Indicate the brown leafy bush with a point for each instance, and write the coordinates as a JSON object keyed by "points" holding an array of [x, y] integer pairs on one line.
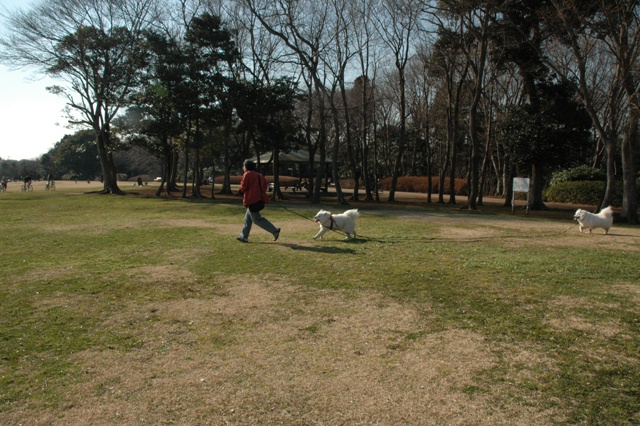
{"points": [[421, 184]]}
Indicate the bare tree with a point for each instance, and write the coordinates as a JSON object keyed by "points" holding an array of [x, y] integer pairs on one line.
{"points": [[364, 38], [450, 65], [593, 32], [94, 46], [302, 26], [623, 22], [397, 22], [582, 59], [475, 22]]}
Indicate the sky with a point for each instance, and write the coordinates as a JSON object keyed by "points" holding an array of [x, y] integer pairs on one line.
{"points": [[31, 119]]}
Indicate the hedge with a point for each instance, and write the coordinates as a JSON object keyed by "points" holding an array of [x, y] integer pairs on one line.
{"points": [[421, 184], [582, 192]]}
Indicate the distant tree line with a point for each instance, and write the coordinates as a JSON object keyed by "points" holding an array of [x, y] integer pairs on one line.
{"points": [[482, 90]]}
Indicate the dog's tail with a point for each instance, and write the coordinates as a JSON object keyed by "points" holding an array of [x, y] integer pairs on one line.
{"points": [[353, 213], [606, 212]]}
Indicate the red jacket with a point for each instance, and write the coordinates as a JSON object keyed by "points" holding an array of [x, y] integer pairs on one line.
{"points": [[253, 187]]}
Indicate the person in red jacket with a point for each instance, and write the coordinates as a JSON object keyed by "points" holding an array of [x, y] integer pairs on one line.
{"points": [[253, 187]]}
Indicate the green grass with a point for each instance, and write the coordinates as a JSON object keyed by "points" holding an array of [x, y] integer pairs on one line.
{"points": [[88, 247]]}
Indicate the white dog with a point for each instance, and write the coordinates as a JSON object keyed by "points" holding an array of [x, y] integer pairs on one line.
{"points": [[588, 220], [345, 222]]}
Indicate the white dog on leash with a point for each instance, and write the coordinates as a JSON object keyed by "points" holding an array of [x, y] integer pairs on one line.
{"points": [[588, 220], [345, 222]]}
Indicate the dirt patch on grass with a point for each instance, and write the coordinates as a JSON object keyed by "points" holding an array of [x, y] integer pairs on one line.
{"points": [[267, 351], [567, 317]]}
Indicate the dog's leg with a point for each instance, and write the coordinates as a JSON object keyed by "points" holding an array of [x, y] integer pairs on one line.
{"points": [[320, 233], [350, 236]]}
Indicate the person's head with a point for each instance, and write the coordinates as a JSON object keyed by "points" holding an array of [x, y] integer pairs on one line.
{"points": [[249, 165]]}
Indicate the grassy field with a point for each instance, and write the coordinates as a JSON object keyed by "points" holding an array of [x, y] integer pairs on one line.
{"points": [[137, 310]]}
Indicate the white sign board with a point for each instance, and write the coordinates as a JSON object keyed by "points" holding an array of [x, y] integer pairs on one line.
{"points": [[520, 185]]}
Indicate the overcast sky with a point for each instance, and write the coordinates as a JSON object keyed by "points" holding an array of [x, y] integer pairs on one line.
{"points": [[31, 119]]}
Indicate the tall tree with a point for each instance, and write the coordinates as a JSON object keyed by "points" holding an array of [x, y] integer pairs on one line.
{"points": [[210, 56], [266, 115], [475, 20], [398, 21], [590, 70], [548, 133], [302, 27], [153, 116], [449, 65], [364, 35], [95, 46], [622, 20]]}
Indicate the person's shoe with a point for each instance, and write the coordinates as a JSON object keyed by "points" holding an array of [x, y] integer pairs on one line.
{"points": [[242, 239], [276, 234]]}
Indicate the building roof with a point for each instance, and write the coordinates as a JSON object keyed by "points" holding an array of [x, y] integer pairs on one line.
{"points": [[294, 156]]}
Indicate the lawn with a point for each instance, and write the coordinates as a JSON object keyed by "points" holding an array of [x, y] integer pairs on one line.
{"points": [[137, 310]]}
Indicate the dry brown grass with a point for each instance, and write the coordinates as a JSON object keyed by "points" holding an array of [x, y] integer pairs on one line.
{"points": [[269, 352]]}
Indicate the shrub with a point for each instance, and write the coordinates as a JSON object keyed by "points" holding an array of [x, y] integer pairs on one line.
{"points": [[421, 184], [580, 173], [585, 192], [582, 192]]}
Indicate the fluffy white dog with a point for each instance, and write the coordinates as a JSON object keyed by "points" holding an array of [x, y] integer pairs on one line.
{"points": [[345, 222], [588, 220]]}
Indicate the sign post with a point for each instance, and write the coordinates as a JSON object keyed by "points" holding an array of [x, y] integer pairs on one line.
{"points": [[519, 185]]}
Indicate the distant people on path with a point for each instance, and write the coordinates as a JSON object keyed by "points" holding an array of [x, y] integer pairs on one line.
{"points": [[253, 187]]}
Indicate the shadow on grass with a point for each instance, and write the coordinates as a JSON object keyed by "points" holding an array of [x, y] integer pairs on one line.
{"points": [[331, 250]]}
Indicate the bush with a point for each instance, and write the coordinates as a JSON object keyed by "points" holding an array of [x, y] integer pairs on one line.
{"points": [[580, 173], [421, 184], [585, 192], [582, 192]]}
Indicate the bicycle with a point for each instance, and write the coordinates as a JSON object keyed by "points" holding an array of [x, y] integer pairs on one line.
{"points": [[50, 186], [26, 187]]}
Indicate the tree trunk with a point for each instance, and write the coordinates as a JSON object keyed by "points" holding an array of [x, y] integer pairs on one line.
{"points": [[403, 135], [166, 167], [322, 146], [610, 149], [475, 155], [109, 175], [629, 140], [508, 174], [175, 160], [185, 171], [536, 201]]}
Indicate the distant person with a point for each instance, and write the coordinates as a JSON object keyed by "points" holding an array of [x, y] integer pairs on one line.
{"points": [[49, 179], [139, 181], [27, 183], [253, 187]]}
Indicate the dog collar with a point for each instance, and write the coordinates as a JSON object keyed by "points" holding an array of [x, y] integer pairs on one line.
{"points": [[331, 222]]}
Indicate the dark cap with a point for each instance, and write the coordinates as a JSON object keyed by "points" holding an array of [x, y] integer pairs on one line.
{"points": [[249, 165]]}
